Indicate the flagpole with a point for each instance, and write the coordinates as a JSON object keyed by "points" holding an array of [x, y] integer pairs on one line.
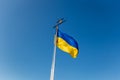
{"points": [[54, 57], [59, 22]]}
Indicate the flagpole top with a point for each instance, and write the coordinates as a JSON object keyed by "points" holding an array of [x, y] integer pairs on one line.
{"points": [[59, 22]]}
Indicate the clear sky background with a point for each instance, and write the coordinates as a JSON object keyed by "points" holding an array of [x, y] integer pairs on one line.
{"points": [[26, 39]]}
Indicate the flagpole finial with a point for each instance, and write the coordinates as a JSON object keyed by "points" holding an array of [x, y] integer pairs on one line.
{"points": [[59, 22]]}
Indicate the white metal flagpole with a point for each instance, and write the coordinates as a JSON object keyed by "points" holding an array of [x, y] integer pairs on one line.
{"points": [[54, 54], [54, 57]]}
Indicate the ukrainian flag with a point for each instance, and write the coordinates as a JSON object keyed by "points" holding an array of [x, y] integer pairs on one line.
{"points": [[67, 44]]}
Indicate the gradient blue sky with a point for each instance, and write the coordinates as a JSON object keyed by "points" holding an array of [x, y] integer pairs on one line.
{"points": [[26, 39]]}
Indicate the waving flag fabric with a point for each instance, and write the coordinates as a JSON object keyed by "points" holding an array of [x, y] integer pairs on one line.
{"points": [[67, 44]]}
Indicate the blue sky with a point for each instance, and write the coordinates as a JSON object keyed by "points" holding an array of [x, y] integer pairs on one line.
{"points": [[26, 39]]}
